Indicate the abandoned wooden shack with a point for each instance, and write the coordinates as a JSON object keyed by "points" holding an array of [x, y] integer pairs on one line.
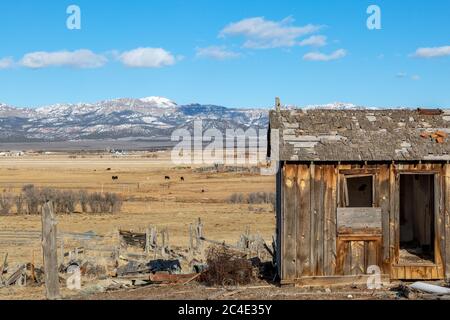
{"points": [[361, 188]]}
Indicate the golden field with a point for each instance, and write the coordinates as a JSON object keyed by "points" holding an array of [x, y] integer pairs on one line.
{"points": [[149, 199]]}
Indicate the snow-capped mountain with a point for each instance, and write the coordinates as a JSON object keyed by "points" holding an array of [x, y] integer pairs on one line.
{"points": [[150, 117], [335, 106]]}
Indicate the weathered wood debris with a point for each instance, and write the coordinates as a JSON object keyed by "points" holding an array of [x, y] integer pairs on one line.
{"points": [[126, 258]]}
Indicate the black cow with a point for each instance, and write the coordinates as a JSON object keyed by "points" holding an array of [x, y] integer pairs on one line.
{"points": [[167, 178], [182, 179], [115, 178]]}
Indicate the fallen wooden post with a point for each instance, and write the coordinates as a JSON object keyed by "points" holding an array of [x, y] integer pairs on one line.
{"points": [[430, 288], [49, 249], [16, 275], [2, 268]]}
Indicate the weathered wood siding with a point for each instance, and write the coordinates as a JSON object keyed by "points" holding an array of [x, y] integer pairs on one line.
{"points": [[309, 243], [447, 220]]}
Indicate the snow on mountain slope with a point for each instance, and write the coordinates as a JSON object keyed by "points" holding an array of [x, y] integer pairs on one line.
{"points": [[119, 118], [159, 102]]}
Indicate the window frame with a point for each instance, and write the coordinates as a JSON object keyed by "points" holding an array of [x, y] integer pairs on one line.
{"points": [[345, 200]]}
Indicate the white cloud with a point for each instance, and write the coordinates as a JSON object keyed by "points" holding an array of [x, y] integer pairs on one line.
{"points": [[217, 52], [6, 63], [404, 75], [147, 58], [263, 34], [314, 41], [317, 56], [432, 52], [77, 59]]}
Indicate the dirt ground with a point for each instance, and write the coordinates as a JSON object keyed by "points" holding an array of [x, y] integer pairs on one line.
{"points": [[255, 292], [196, 291], [150, 199]]}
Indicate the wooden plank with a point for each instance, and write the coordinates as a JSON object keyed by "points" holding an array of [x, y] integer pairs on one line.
{"points": [[383, 186], [313, 215], [446, 252], [319, 220], [330, 228], [337, 280], [342, 248], [348, 258], [279, 219], [303, 221], [397, 217], [392, 238], [416, 272], [359, 219], [359, 237], [372, 254], [439, 218], [360, 172], [357, 248], [289, 224], [49, 249], [408, 273]]}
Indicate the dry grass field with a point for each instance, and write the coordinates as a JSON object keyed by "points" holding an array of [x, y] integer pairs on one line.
{"points": [[149, 199]]}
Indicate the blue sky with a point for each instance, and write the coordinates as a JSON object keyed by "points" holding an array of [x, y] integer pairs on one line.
{"points": [[227, 52]]}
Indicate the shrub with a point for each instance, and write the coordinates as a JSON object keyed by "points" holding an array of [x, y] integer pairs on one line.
{"points": [[227, 267], [83, 198], [95, 202], [253, 198], [261, 197], [65, 201], [114, 201], [236, 198], [31, 196], [69, 201], [104, 203], [6, 203], [20, 202]]}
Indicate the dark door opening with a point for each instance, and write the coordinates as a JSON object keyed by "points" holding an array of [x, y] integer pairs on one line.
{"points": [[416, 218]]}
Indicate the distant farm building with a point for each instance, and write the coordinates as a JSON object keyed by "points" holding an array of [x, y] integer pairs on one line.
{"points": [[362, 188], [12, 154]]}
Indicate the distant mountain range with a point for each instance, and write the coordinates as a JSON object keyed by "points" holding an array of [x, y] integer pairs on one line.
{"points": [[152, 117]]}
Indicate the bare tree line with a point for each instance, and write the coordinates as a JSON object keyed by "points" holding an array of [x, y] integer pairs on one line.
{"points": [[253, 198], [31, 199]]}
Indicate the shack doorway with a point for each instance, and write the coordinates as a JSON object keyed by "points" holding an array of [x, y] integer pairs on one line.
{"points": [[417, 219]]}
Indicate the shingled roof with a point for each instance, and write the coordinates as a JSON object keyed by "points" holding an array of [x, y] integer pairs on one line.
{"points": [[362, 135]]}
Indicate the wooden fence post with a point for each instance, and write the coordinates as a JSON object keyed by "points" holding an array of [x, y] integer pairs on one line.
{"points": [[163, 244], [49, 249], [147, 240], [191, 241], [199, 235], [62, 253]]}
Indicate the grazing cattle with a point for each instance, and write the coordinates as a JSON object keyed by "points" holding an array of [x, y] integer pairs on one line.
{"points": [[109, 169], [203, 190], [167, 178], [115, 178], [182, 179]]}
